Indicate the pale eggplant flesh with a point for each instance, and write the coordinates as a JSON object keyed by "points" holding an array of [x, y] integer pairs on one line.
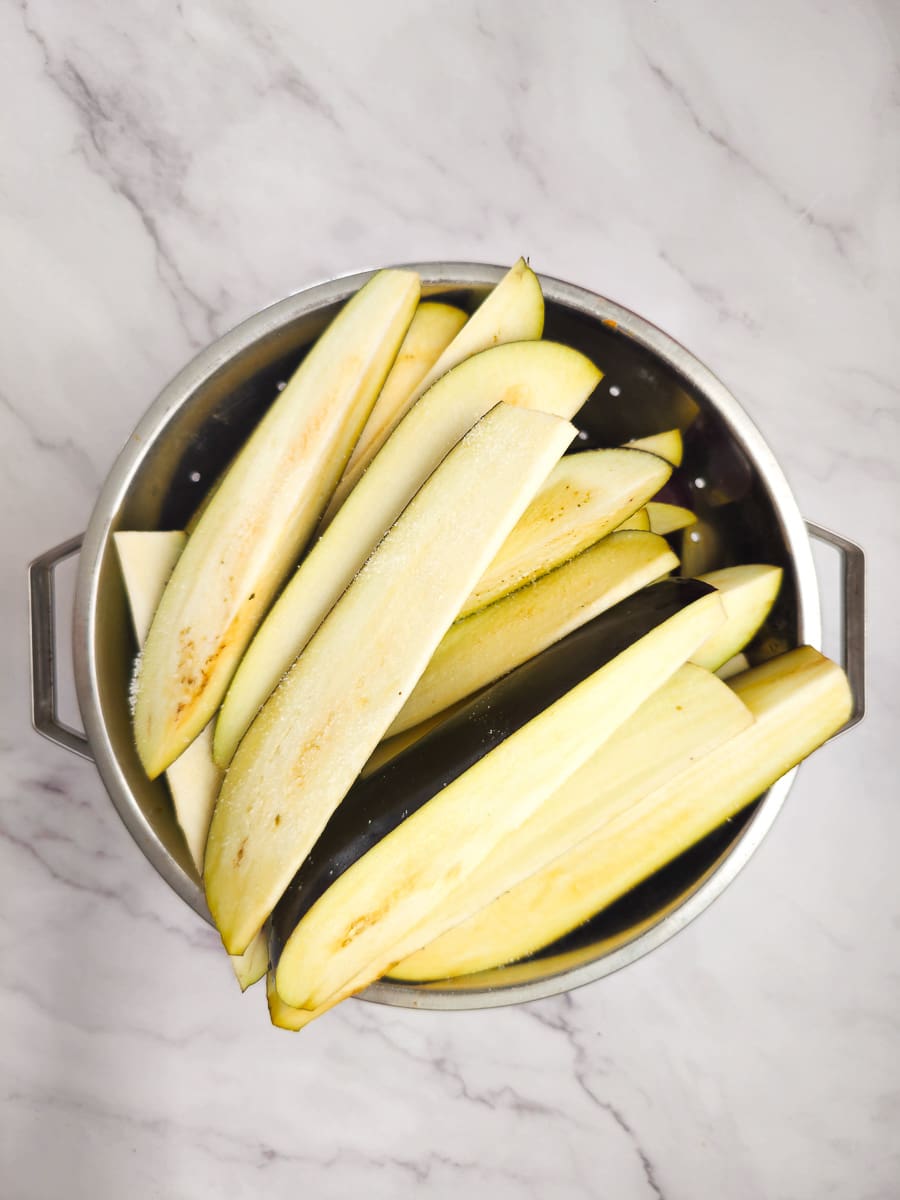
{"points": [[690, 715], [315, 733], [488, 643], [261, 518], [797, 701], [379, 803], [537, 375]]}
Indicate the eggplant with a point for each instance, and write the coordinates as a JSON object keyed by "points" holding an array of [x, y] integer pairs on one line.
{"points": [[512, 312], [535, 375], [639, 521], [282, 1015], [432, 330], [306, 747], [261, 518], [690, 715], [797, 702], [735, 666], [147, 559], [748, 593], [667, 518], [585, 498], [405, 836], [668, 445], [390, 747], [480, 648]]}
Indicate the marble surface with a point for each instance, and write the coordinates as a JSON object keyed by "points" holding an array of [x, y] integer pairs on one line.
{"points": [[733, 172]]}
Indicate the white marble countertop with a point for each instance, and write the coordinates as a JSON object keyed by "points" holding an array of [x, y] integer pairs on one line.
{"points": [[732, 172]]}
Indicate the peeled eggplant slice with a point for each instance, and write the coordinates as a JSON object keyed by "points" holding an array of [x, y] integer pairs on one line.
{"points": [[432, 330], [281, 1014], [585, 497], [797, 702], [735, 666], [261, 517], [639, 520], [406, 837], [666, 518], [147, 559], [536, 375], [482, 647], [689, 716], [512, 312], [668, 445], [390, 747], [303, 751], [748, 593]]}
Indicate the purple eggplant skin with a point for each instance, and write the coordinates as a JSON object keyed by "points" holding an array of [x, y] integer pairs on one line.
{"points": [[377, 804]]}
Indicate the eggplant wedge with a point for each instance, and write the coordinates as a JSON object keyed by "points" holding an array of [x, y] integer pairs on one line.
{"points": [[639, 521], [250, 966], [690, 715], [303, 751], [735, 666], [668, 445], [261, 517], [748, 593], [534, 375], [482, 647], [667, 518], [512, 312], [797, 702], [585, 498], [408, 836], [147, 559], [282, 1015], [432, 330]]}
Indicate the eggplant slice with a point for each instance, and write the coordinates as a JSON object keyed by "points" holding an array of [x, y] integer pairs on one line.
{"points": [[406, 836], [797, 702], [309, 743]]}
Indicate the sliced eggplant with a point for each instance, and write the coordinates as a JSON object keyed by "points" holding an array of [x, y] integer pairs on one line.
{"points": [[668, 445], [797, 701], [535, 375], [250, 966], [639, 521], [432, 330], [667, 518], [282, 1015], [748, 593], [735, 666], [147, 559], [512, 312], [390, 747], [689, 716], [261, 517], [585, 497], [409, 835], [480, 648], [313, 736]]}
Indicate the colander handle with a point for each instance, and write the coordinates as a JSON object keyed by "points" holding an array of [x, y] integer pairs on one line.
{"points": [[853, 615], [42, 630]]}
